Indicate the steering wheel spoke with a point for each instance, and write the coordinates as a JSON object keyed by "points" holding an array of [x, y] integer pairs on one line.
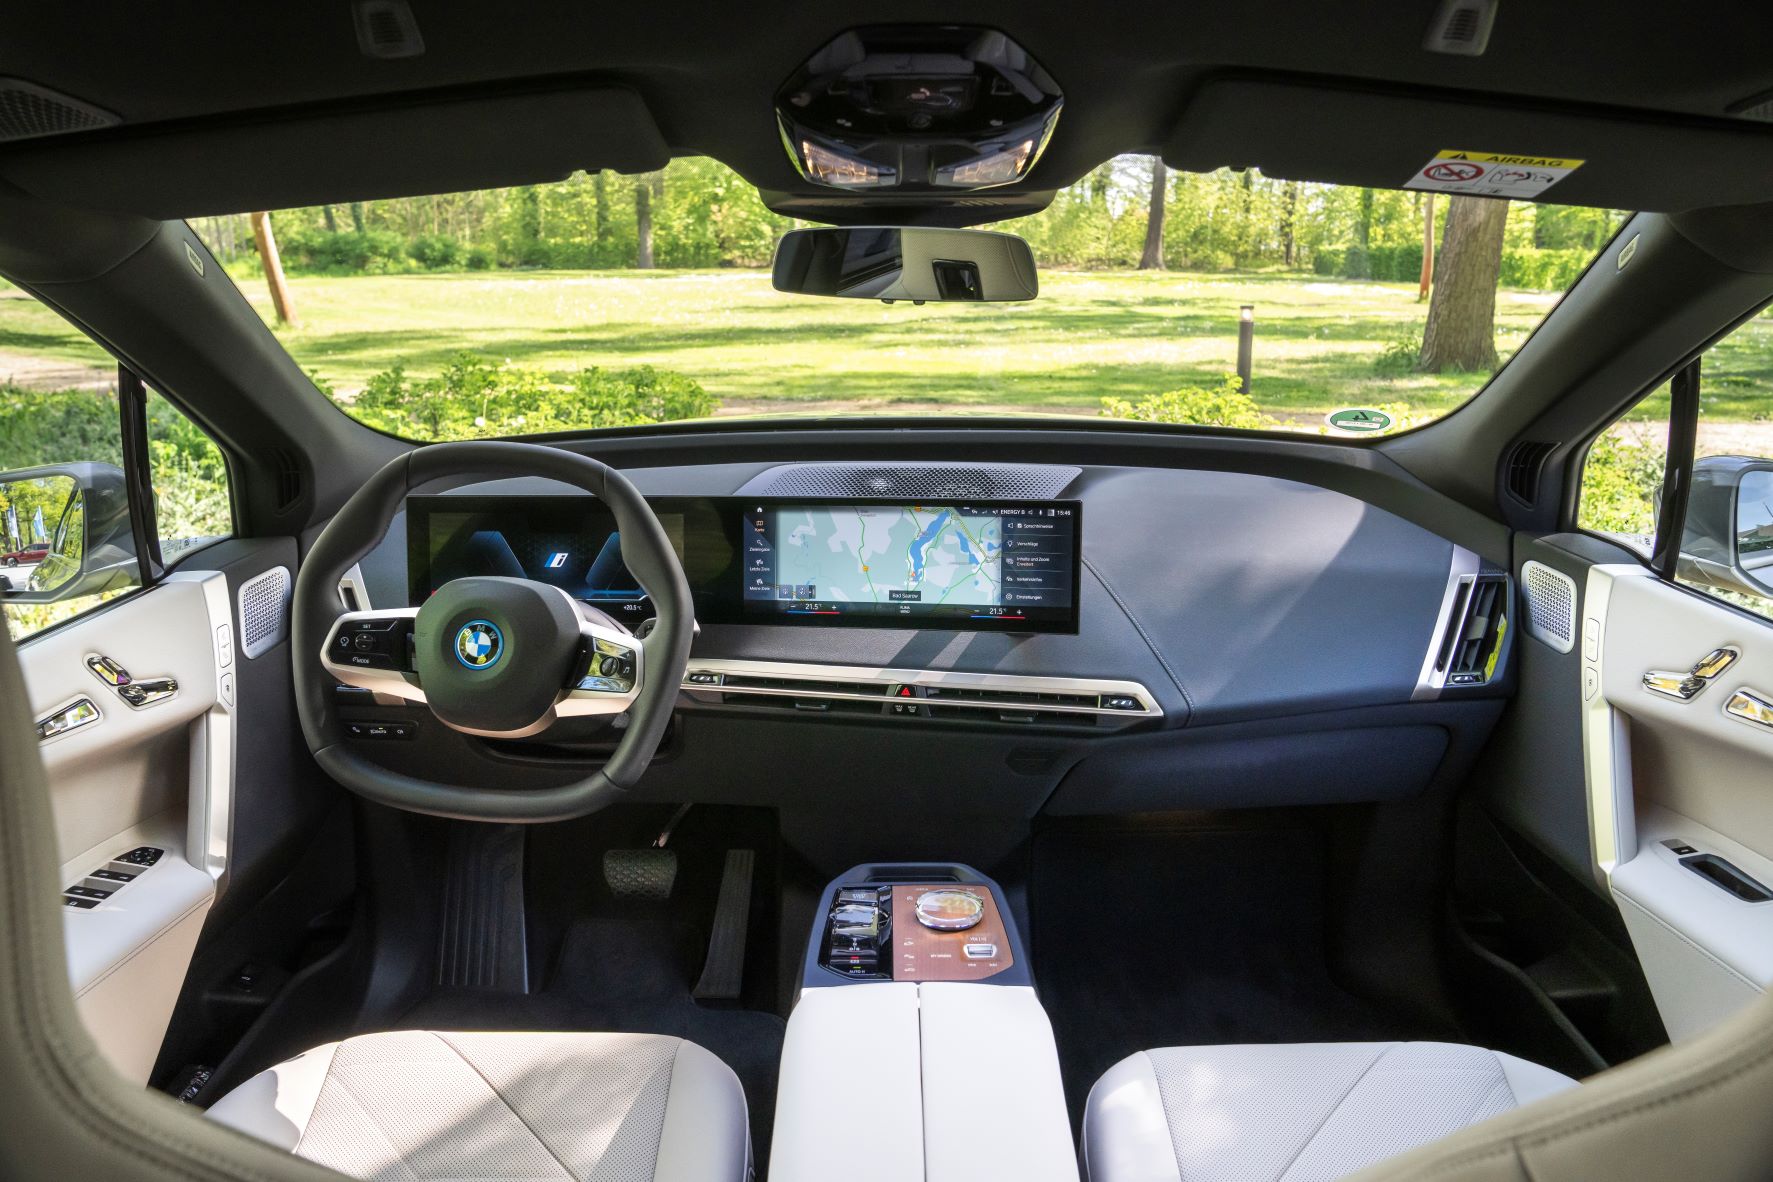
{"points": [[373, 651], [611, 675]]}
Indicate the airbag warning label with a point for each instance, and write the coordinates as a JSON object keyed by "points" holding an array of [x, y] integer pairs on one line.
{"points": [[1491, 174]]}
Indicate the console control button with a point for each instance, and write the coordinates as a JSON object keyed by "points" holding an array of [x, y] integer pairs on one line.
{"points": [[980, 951]]}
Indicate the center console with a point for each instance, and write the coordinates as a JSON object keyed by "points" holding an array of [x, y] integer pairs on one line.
{"points": [[948, 923], [918, 1018]]}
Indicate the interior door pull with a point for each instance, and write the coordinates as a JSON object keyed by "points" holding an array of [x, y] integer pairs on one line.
{"points": [[1751, 708], [1684, 687]]}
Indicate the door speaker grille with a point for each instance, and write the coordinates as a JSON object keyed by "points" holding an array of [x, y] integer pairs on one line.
{"points": [[926, 481], [1551, 606], [28, 111], [264, 611]]}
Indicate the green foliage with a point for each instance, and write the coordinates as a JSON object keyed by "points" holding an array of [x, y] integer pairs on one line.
{"points": [[1223, 405], [1619, 483], [1401, 353], [473, 398]]}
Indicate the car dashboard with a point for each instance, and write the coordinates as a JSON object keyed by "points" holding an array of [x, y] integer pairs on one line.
{"points": [[1086, 638]]}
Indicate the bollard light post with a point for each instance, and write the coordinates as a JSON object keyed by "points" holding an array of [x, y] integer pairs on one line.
{"points": [[1246, 345]]}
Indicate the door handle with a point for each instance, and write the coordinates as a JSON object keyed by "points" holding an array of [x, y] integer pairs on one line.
{"points": [[1750, 707], [1684, 687]]}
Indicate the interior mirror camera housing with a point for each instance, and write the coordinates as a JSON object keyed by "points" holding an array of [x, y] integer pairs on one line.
{"points": [[64, 532], [1728, 539], [906, 263]]}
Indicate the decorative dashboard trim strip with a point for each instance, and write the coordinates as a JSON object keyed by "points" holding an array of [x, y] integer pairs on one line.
{"points": [[923, 678], [1462, 568]]}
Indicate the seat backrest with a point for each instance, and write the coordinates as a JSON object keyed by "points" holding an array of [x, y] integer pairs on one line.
{"points": [[1698, 1109], [68, 1113]]}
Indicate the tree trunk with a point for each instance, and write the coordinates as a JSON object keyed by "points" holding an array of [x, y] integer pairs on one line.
{"points": [[600, 190], [357, 216], [1152, 258], [1461, 329], [1290, 225], [1427, 277], [332, 223], [267, 244], [643, 225]]}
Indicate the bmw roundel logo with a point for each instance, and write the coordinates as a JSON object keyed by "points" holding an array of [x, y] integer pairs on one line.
{"points": [[480, 644]]}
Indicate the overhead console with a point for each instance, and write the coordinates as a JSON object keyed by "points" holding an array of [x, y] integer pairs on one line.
{"points": [[999, 566]]}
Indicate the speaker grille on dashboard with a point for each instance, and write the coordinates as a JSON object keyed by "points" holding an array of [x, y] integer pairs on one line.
{"points": [[1551, 606], [926, 481], [264, 611], [28, 111]]}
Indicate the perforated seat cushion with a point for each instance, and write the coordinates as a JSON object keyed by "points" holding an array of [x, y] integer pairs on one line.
{"points": [[425, 1106], [1298, 1112]]}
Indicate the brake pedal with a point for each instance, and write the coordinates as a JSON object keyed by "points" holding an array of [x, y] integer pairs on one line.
{"points": [[723, 973], [640, 874]]}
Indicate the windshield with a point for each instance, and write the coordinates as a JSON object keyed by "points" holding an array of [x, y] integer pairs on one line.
{"points": [[1225, 299]]}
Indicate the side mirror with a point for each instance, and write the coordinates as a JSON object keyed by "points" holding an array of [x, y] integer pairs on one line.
{"points": [[64, 532], [906, 263], [1728, 539]]}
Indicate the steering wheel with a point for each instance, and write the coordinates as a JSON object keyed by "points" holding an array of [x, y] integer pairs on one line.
{"points": [[491, 656]]}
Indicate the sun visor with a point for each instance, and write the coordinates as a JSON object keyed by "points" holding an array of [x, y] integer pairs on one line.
{"points": [[1377, 139], [338, 156]]}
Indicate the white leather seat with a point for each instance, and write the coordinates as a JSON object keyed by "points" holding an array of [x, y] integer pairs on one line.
{"points": [[1292, 1112], [416, 1105]]}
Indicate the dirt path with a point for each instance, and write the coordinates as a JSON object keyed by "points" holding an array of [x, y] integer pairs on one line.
{"points": [[53, 373]]}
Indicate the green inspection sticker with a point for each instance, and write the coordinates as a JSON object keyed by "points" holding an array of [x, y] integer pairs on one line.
{"points": [[1360, 420]]}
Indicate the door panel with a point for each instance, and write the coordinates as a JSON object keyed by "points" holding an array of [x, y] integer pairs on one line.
{"points": [[158, 776], [1676, 783]]}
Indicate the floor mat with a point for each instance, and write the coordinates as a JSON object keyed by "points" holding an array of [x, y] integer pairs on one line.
{"points": [[1151, 936], [628, 975]]}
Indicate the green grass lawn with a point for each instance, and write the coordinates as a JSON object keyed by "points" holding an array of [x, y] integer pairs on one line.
{"points": [[1090, 335]]}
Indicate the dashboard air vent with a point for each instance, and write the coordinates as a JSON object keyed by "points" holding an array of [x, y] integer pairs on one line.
{"points": [[386, 29], [924, 481], [1526, 461], [1473, 644]]}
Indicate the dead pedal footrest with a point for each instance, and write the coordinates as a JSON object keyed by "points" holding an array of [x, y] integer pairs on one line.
{"points": [[723, 973]]}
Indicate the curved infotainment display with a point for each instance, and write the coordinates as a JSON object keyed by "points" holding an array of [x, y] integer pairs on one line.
{"points": [[976, 566], [1012, 566]]}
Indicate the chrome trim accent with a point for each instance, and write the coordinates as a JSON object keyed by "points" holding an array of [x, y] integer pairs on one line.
{"points": [[1606, 743], [929, 678], [1684, 687], [1752, 707], [352, 581], [1462, 567], [67, 718], [214, 740]]}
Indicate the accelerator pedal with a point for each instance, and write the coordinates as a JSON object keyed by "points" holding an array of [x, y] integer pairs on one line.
{"points": [[723, 973]]}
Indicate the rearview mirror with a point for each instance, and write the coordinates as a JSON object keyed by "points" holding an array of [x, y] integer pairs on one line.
{"points": [[1727, 542], [906, 263], [64, 532]]}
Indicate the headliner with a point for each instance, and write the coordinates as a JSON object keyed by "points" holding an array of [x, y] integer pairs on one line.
{"points": [[272, 105]]}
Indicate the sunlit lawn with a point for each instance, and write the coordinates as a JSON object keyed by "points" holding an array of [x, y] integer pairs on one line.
{"points": [[1088, 336]]}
